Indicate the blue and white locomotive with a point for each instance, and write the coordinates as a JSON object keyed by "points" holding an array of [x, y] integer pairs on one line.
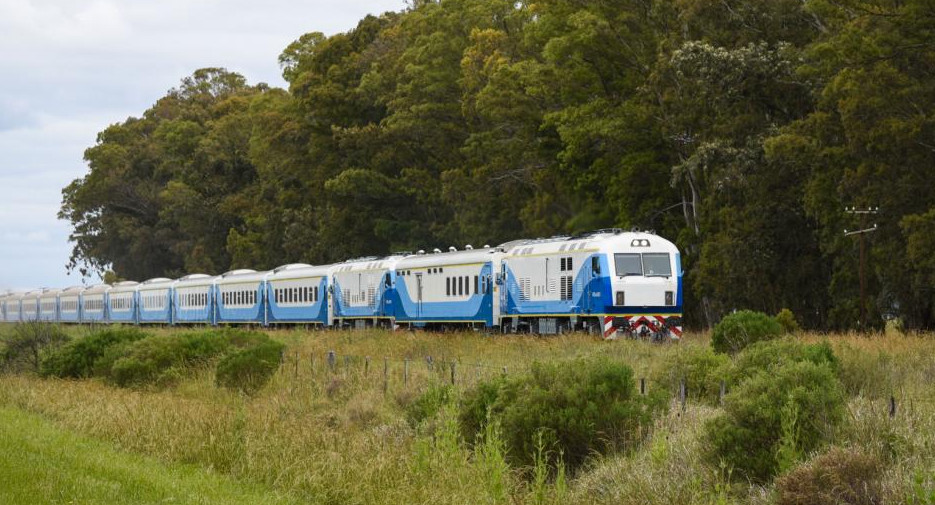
{"points": [[607, 282]]}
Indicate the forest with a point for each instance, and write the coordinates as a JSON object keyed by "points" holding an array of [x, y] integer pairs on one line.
{"points": [[740, 129]]}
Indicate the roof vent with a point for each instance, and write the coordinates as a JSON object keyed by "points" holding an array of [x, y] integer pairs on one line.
{"points": [[452, 249], [469, 247], [436, 250], [421, 252], [486, 246]]}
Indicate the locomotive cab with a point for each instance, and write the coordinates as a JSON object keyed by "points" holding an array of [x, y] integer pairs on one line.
{"points": [[642, 285]]}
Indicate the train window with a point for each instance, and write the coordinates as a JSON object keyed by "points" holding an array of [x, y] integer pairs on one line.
{"points": [[628, 264], [316, 293], [460, 286], [447, 286], [657, 265], [476, 283], [596, 265]]}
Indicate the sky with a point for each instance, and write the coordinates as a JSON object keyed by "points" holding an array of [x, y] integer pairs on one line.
{"points": [[69, 69]]}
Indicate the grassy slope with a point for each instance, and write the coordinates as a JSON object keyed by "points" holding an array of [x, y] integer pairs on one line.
{"points": [[44, 464], [338, 438]]}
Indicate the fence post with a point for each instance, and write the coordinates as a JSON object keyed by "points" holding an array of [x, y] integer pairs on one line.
{"points": [[406, 372], [453, 373], [642, 385], [892, 406], [683, 393], [367, 366], [331, 360], [504, 370]]}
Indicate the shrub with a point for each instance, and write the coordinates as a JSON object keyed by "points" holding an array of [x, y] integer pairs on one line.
{"points": [[786, 319], [25, 347], [428, 404], [837, 477], [578, 408], [477, 406], [763, 356], [76, 359], [738, 330], [250, 369], [700, 367], [159, 359], [774, 417]]}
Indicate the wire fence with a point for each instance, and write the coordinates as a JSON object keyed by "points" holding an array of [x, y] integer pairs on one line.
{"points": [[417, 373]]}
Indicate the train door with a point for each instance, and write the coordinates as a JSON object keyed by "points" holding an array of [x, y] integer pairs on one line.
{"points": [[419, 292], [504, 286], [494, 290], [331, 293], [385, 297]]}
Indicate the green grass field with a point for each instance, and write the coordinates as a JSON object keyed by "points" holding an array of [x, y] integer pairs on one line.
{"points": [[323, 435], [45, 464]]}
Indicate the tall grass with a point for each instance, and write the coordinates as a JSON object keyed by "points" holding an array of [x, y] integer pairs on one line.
{"points": [[342, 436]]}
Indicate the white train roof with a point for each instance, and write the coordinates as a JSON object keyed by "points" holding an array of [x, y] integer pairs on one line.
{"points": [[299, 271], [447, 258], [72, 291], [35, 293], [365, 264], [10, 295], [154, 283], [124, 287], [96, 289], [50, 293], [195, 280], [240, 276]]}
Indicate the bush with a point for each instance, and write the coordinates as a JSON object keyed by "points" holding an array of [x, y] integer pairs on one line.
{"points": [[428, 404], [837, 477], [774, 417], [738, 330], [250, 369], [128, 357], [578, 408], [77, 358], [700, 367], [159, 359], [25, 347], [763, 356], [786, 319]]}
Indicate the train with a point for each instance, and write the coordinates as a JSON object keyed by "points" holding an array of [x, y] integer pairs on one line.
{"points": [[611, 283]]}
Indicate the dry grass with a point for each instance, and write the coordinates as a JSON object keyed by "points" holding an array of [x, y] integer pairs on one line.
{"points": [[337, 437]]}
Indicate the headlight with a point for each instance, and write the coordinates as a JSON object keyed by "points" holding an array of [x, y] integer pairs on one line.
{"points": [[620, 298], [669, 298]]}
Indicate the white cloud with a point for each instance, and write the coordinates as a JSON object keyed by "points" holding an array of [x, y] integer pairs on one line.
{"points": [[69, 69]]}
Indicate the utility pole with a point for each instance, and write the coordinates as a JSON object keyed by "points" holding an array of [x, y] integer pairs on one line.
{"points": [[863, 213]]}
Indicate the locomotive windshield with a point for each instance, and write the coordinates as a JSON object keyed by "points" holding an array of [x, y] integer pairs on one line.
{"points": [[648, 264], [628, 264], [656, 265]]}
